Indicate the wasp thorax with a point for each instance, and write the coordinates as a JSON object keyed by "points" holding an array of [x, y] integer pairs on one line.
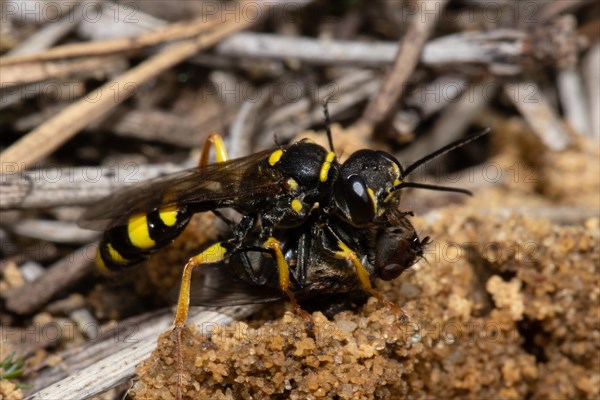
{"points": [[365, 181]]}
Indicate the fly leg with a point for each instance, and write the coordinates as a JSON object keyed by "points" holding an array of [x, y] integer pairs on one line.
{"points": [[344, 252]]}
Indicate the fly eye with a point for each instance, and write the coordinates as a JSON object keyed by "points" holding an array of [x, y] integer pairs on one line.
{"points": [[360, 204], [391, 271]]}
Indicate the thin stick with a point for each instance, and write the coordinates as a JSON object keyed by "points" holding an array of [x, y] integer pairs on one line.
{"points": [[573, 100], [77, 186], [423, 103], [591, 73], [455, 119], [176, 31], [185, 131], [45, 139], [13, 75], [120, 366], [408, 56], [501, 46], [535, 108], [112, 337], [54, 231], [243, 127], [52, 32], [292, 118], [62, 274]]}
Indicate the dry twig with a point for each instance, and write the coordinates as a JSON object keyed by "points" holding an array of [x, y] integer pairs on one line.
{"points": [[54, 231], [535, 108], [426, 101], [591, 73], [52, 187], [60, 275], [408, 56], [454, 120], [573, 99], [66, 124], [347, 91], [496, 48], [176, 31], [13, 75], [51, 32]]}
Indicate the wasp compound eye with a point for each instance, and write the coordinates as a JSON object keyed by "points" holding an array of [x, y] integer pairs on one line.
{"points": [[360, 204]]}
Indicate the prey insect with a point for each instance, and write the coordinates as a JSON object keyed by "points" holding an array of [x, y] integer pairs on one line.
{"points": [[317, 253], [309, 224]]}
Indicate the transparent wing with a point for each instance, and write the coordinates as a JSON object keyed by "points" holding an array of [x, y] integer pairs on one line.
{"points": [[214, 286], [213, 186]]}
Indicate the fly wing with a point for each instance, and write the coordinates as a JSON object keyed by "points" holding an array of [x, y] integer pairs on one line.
{"points": [[212, 186], [214, 286]]}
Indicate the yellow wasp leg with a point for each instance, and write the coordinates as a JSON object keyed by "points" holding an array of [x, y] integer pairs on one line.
{"points": [[213, 254], [215, 140], [365, 281], [284, 276]]}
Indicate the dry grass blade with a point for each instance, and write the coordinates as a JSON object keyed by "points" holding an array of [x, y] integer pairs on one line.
{"points": [[13, 75], [57, 130], [176, 31]]}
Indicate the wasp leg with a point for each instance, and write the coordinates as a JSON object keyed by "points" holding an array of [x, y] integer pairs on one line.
{"points": [[213, 140], [284, 276], [363, 277], [215, 253]]}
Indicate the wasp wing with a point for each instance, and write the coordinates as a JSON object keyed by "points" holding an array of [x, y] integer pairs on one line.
{"points": [[212, 186]]}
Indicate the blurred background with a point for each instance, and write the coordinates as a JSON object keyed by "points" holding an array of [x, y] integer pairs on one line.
{"points": [[98, 95]]}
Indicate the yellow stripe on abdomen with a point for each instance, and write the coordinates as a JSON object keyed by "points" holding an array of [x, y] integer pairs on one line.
{"points": [[137, 230], [101, 265], [109, 260]]}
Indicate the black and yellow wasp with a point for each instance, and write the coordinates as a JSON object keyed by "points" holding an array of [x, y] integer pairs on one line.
{"points": [[298, 204], [309, 225]]}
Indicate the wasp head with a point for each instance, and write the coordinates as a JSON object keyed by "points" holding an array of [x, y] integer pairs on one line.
{"points": [[364, 184]]}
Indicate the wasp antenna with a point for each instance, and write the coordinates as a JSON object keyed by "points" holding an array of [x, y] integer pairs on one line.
{"points": [[432, 187], [328, 122], [442, 151]]}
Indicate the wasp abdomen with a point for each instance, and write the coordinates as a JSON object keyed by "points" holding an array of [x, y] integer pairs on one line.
{"points": [[126, 245]]}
